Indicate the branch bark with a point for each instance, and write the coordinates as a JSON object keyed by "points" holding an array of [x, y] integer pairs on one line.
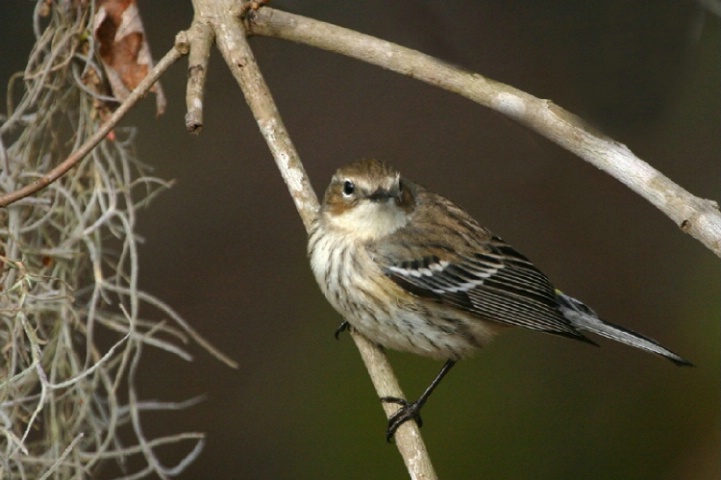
{"points": [[696, 216], [222, 19]]}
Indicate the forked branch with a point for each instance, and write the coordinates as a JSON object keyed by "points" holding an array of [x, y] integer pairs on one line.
{"points": [[696, 216], [220, 21]]}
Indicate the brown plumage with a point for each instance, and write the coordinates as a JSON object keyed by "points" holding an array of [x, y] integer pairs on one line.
{"points": [[414, 272]]}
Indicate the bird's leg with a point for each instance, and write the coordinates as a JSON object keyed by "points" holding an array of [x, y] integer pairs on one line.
{"points": [[341, 328], [412, 410]]}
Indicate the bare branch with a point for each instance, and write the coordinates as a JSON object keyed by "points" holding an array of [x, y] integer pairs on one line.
{"points": [[224, 18], [197, 71], [696, 216], [241, 61], [408, 436]]}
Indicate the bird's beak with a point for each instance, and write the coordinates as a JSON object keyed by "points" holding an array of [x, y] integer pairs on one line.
{"points": [[381, 195]]}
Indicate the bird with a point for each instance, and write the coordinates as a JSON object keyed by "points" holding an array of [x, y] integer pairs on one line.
{"points": [[414, 272]]}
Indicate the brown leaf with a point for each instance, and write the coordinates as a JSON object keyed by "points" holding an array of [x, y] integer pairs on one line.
{"points": [[123, 48]]}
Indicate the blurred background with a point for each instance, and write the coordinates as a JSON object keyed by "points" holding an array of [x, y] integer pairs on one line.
{"points": [[226, 248]]}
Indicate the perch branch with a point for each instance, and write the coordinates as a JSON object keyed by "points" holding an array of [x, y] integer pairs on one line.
{"points": [[696, 216], [139, 92], [235, 50], [224, 19]]}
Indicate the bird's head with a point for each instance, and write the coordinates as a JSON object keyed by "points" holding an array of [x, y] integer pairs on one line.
{"points": [[368, 198]]}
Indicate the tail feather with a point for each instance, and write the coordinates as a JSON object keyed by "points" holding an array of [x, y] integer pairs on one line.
{"points": [[585, 319]]}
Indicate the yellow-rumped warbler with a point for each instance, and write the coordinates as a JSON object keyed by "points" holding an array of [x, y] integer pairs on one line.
{"points": [[412, 271]]}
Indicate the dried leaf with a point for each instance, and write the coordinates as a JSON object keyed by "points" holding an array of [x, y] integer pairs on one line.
{"points": [[123, 48]]}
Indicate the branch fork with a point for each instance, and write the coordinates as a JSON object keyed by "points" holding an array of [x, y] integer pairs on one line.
{"points": [[227, 23]]}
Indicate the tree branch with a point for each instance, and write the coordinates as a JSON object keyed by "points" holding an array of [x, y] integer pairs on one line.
{"points": [[220, 20], [222, 16], [197, 72], [696, 216]]}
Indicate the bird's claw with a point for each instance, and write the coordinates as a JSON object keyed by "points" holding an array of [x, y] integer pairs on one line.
{"points": [[341, 328], [408, 411]]}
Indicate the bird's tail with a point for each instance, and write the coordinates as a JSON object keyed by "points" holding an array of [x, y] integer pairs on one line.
{"points": [[584, 318]]}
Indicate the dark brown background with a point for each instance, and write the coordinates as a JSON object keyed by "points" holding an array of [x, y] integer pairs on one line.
{"points": [[227, 250]]}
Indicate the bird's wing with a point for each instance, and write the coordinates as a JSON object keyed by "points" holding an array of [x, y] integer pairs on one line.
{"points": [[494, 282]]}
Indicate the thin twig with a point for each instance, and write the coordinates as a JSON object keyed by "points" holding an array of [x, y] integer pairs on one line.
{"points": [[197, 72], [139, 92], [408, 436], [696, 216]]}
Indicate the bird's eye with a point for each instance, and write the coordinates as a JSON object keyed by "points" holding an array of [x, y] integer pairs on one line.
{"points": [[348, 188]]}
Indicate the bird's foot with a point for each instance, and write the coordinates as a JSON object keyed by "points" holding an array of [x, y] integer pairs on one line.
{"points": [[408, 411], [341, 328]]}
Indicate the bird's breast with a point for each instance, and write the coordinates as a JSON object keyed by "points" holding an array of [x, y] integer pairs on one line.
{"points": [[382, 310]]}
